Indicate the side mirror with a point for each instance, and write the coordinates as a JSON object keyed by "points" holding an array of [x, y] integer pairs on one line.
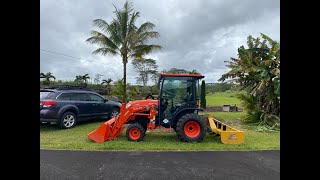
{"points": [[105, 100]]}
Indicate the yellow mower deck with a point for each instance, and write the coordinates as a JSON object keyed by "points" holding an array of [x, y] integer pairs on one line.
{"points": [[228, 134]]}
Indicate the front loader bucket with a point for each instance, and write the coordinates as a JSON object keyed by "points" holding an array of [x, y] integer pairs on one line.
{"points": [[103, 133]]}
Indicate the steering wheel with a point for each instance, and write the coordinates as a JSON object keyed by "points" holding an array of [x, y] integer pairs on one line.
{"points": [[150, 97], [166, 97]]}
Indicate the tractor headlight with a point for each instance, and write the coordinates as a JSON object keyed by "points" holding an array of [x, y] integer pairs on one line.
{"points": [[128, 105]]}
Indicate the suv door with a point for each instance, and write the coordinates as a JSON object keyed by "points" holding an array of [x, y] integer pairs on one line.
{"points": [[83, 103], [101, 109]]}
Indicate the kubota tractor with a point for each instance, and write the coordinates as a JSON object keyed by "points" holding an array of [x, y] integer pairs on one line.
{"points": [[177, 107]]}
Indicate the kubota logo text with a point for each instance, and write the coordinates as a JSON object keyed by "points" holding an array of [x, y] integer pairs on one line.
{"points": [[232, 136]]}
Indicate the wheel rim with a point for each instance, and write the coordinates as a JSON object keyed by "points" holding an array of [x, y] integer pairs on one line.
{"points": [[134, 133], [192, 129], [68, 120], [114, 113]]}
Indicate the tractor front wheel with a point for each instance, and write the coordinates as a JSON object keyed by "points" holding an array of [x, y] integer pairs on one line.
{"points": [[191, 128], [135, 132]]}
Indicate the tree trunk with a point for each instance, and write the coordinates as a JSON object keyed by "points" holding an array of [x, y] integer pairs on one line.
{"points": [[125, 80]]}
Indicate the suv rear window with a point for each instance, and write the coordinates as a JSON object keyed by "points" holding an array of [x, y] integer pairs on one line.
{"points": [[74, 97], [65, 96], [46, 94]]}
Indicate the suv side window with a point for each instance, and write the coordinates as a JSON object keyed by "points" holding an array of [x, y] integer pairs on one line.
{"points": [[80, 97], [64, 96], [95, 97]]}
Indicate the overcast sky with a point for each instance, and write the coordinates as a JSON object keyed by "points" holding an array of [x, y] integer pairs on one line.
{"points": [[194, 34]]}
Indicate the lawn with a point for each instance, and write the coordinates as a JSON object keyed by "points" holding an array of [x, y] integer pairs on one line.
{"points": [[53, 138], [221, 98]]}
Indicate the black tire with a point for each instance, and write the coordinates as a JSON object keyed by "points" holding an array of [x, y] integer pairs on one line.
{"points": [[65, 118], [145, 127], [114, 111], [135, 132], [192, 121]]}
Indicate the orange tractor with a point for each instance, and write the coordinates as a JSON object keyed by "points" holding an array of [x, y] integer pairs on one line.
{"points": [[177, 107]]}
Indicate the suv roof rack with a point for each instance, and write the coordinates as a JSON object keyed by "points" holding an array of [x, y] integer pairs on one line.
{"points": [[66, 87]]}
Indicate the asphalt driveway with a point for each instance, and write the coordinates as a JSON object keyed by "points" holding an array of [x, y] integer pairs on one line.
{"points": [[56, 164]]}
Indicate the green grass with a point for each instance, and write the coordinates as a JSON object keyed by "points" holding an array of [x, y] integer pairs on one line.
{"points": [[53, 138], [75, 139], [229, 116], [221, 98]]}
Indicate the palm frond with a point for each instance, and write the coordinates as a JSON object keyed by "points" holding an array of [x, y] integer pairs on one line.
{"points": [[267, 38], [141, 50], [144, 37], [105, 51], [147, 26], [102, 40], [133, 19]]}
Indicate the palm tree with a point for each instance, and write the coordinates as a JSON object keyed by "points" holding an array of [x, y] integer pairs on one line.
{"points": [[78, 78], [82, 78], [47, 77], [85, 78], [107, 82], [108, 85], [122, 37]]}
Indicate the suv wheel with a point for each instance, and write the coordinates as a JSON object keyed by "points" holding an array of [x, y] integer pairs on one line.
{"points": [[68, 120], [114, 113]]}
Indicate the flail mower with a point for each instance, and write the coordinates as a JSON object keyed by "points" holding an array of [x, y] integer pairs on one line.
{"points": [[176, 107]]}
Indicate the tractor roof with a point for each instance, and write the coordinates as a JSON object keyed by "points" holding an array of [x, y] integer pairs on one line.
{"points": [[198, 76]]}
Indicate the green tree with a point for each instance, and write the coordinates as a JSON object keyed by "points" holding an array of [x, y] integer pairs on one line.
{"points": [[155, 78], [194, 72], [122, 37], [85, 78], [108, 85], [82, 79], [180, 71], [146, 69], [118, 91], [78, 79], [203, 103], [47, 78], [176, 71], [257, 69]]}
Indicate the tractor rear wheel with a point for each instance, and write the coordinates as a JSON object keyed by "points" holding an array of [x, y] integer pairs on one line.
{"points": [[191, 128], [135, 132]]}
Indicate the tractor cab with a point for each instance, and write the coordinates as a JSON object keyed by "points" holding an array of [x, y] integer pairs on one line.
{"points": [[178, 96]]}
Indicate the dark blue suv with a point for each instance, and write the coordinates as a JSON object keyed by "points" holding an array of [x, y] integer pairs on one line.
{"points": [[67, 106]]}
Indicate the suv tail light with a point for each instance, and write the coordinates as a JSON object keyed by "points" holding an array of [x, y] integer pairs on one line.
{"points": [[47, 103]]}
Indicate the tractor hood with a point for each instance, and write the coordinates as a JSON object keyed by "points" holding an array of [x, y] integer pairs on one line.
{"points": [[146, 102]]}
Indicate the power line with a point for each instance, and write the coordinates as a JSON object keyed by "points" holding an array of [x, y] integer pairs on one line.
{"points": [[53, 52], [59, 54]]}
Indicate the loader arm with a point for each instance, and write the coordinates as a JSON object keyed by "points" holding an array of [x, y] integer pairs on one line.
{"points": [[113, 128]]}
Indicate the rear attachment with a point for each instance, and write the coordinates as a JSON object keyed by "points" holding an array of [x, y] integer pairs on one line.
{"points": [[228, 134]]}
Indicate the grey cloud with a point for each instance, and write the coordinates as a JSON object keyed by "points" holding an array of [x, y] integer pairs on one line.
{"points": [[197, 35]]}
